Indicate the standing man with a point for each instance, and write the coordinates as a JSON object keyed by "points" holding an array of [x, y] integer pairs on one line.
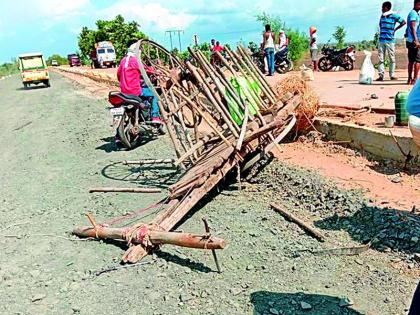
{"points": [[412, 42], [313, 45], [268, 44], [386, 45]]}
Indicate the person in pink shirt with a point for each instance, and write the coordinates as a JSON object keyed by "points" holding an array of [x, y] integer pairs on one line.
{"points": [[217, 48], [130, 80]]}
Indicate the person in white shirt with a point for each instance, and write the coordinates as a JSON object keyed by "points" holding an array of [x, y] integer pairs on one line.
{"points": [[283, 41], [268, 44], [313, 45]]}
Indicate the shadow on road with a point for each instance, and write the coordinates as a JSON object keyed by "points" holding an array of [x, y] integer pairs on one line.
{"points": [[148, 175], [265, 302], [385, 228], [184, 262], [32, 88]]}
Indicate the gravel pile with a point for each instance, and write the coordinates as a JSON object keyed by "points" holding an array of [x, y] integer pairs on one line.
{"points": [[336, 209]]}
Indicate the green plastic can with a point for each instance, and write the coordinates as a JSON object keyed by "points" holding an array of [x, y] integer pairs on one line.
{"points": [[400, 109]]}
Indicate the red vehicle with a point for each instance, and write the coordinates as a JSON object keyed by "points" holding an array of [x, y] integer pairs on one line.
{"points": [[74, 60]]}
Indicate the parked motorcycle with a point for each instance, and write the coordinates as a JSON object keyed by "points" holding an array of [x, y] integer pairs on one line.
{"points": [[333, 57], [132, 119], [282, 62]]}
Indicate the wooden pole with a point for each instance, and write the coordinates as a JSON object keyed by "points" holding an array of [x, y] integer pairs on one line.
{"points": [[200, 112], [125, 190], [138, 237], [209, 95], [150, 162], [251, 65], [312, 231]]}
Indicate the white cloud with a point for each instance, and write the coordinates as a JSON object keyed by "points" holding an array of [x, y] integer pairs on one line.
{"points": [[150, 16], [61, 10]]}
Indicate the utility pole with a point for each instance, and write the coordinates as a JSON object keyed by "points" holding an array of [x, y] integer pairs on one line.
{"points": [[195, 39], [170, 36], [179, 38]]}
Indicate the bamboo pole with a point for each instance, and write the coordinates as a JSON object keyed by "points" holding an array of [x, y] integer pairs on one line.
{"points": [[150, 162], [237, 60], [312, 231], [181, 120], [199, 111], [156, 238], [251, 65], [208, 68], [194, 149], [125, 190], [233, 128]]}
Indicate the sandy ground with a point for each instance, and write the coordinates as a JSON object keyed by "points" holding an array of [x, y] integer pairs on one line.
{"points": [[385, 183], [342, 88]]}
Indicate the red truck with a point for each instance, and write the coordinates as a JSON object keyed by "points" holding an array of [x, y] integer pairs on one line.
{"points": [[74, 60]]}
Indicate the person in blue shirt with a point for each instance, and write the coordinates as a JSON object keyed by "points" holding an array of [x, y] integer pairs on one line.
{"points": [[412, 41], [386, 45]]}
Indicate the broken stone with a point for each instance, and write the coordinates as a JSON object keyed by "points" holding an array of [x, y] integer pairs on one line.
{"points": [[305, 306], [274, 311], [38, 297], [345, 302]]}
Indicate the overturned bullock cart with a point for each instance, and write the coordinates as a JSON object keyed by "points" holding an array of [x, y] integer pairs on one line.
{"points": [[219, 119]]}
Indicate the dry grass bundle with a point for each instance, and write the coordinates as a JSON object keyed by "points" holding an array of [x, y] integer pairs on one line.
{"points": [[307, 111]]}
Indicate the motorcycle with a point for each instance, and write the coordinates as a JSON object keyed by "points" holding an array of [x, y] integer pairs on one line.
{"points": [[332, 57], [131, 116], [282, 62]]}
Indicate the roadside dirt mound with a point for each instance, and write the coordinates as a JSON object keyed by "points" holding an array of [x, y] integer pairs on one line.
{"points": [[335, 209]]}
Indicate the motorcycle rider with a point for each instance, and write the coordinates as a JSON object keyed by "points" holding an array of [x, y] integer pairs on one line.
{"points": [[283, 41], [130, 80]]}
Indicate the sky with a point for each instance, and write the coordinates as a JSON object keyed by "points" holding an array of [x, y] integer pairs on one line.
{"points": [[52, 26]]}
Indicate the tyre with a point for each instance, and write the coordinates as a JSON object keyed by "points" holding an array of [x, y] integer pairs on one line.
{"points": [[161, 131], [128, 140], [284, 68], [325, 64], [349, 64], [47, 83], [25, 85]]}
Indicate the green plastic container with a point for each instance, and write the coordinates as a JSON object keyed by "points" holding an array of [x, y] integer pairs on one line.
{"points": [[400, 109]]}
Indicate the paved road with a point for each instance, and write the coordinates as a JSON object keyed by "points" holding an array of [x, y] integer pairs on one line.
{"points": [[52, 151]]}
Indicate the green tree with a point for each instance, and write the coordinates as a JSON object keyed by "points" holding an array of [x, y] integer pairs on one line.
{"points": [[60, 59], [8, 68], [117, 31], [376, 38], [298, 41], [340, 36]]}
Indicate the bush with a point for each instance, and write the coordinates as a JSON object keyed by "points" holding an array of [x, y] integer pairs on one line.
{"points": [[60, 59], [8, 68], [299, 41]]}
